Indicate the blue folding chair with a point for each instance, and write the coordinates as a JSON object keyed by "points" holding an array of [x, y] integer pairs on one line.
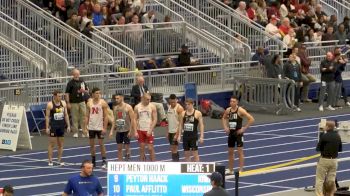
{"points": [[191, 92], [38, 115]]}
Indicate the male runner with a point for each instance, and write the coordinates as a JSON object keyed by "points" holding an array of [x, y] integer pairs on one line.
{"points": [[146, 119], [56, 118], [123, 123], [190, 120], [232, 123], [97, 120], [173, 133]]}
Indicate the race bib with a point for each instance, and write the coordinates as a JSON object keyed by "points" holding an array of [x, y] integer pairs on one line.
{"points": [[120, 122], [58, 116], [232, 125], [188, 127]]}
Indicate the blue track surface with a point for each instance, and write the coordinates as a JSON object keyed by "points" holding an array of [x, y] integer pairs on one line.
{"points": [[265, 145]]}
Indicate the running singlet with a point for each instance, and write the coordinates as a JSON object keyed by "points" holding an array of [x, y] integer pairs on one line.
{"points": [[122, 119], [145, 117], [173, 117], [96, 117], [57, 116], [234, 120], [190, 125]]}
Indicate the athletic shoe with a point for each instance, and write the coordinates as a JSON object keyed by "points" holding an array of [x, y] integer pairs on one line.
{"points": [[307, 100], [309, 188], [50, 164], [228, 172], [85, 135], [127, 157], [75, 135], [330, 108], [320, 108], [62, 164], [104, 165], [347, 103]]}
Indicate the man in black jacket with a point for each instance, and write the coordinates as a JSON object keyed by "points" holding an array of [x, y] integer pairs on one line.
{"points": [[216, 182], [139, 89], [327, 70], [329, 145]]}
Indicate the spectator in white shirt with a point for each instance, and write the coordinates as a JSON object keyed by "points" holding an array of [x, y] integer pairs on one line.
{"points": [[272, 28], [149, 18]]}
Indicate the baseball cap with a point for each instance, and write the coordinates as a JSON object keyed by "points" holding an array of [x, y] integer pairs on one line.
{"points": [[215, 177]]}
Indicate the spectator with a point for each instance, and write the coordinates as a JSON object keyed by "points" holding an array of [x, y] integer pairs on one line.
{"points": [[61, 10], [291, 70], [87, 5], [319, 13], [97, 16], [72, 6], [115, 9], [258, 56], [310, 36], [73, 21], [273, 10], [242, 9], [341, 35], [216, 182], [328, 37], [149, 18], [290, 40], [252, 11], [84, 183], [321, 24], [88, 29], [328, 145], [262, 13], [272, 28], [85, 18], [105, 16], [327, 70], [151, 64], [285, 27], [306, 77], [286, 7], [346, 24], [274, 68], [76, 95], [139, 6], [340, 64], [139, 89], [185, 57], [333, 22], [134, 30]]}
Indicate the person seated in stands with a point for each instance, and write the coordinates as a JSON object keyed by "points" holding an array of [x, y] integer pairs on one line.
{"points": [[290, 40], [97, 16], [61, 11], [272, 28], [341, 35], [186, 58], [328, 36], [274, 68], [319, 12], [273, 10], [333, 22], [84, 19], [251, 11], [284, 27], [73, 21], [72, 6], [128, 14], [151, 64], [241, 9], [105, 15], [346, 23], [258, 56], [262, 13], [139, 6], [149, 18], [87, 29], [306, 77], [87, 6]]}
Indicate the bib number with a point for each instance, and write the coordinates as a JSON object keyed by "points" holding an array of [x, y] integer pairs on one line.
{"points": [[120, 122], [188, 127], [58, 116], [232, 125]]}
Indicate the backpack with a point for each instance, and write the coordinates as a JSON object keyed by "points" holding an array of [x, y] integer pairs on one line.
{"points": [[216, 111]]}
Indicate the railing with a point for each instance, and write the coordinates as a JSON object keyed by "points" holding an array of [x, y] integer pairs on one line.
{"points": [[321, 48], [328, 8], [203, 21], [342, 7], [170, 80], [162, 11], [165, 39], [18, 63], [265, 94], [80, 50], [254, 32], [56, 64]]}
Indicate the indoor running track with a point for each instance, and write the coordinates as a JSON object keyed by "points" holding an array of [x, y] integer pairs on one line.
{"points": [[265, 145]]}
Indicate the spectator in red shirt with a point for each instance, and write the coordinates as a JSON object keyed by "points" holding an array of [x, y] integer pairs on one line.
{"points": [[285, 26]]}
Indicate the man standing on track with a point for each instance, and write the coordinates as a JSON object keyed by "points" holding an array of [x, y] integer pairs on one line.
{"points": [[232, 121], [123, 123], [97, 120], [173, 132], [146, 119], [329, 145], [56, 118], [190, 121]]}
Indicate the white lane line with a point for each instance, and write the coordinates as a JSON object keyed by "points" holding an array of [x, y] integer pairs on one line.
{"points": [[271, 134], [273, 186], [284, 180], [163, 152]]}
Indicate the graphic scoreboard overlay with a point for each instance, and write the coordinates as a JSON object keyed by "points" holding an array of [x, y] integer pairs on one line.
{"points": [[158, 178]]}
